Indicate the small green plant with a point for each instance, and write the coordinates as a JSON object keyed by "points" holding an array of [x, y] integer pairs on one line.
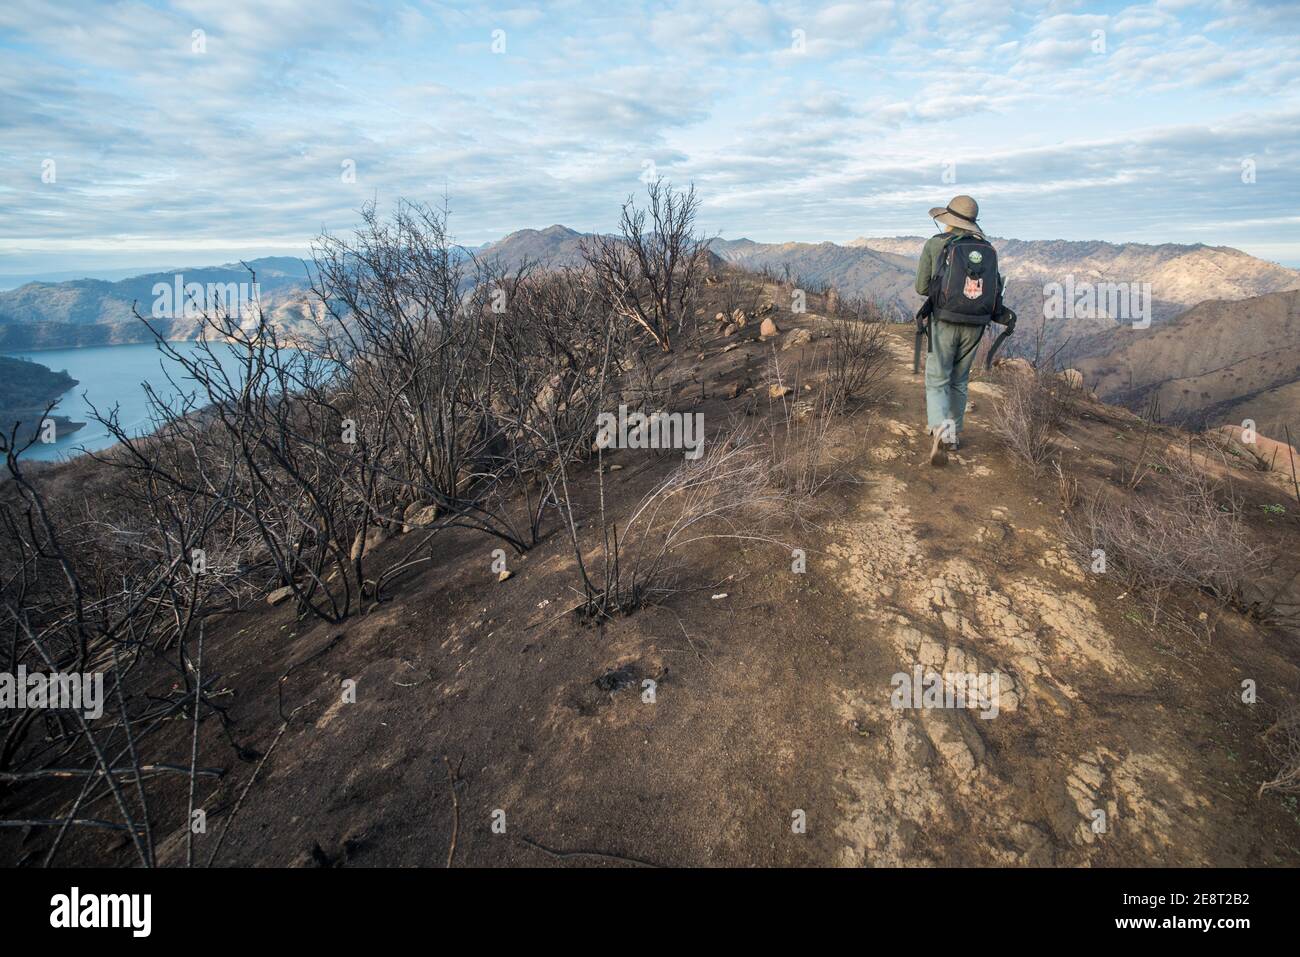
{"points": [[1274, 509]]}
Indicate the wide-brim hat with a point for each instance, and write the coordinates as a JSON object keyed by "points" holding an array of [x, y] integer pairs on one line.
{"points": [[961, 212]]}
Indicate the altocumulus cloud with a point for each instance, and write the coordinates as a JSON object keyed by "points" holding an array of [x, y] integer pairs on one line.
{"points": [[196, 130]]}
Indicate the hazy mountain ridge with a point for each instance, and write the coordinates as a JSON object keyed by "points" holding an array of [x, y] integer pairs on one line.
{"points": [[853, 271], [1220, 361], [1182, 274], [555, 245], [881, 268], [95, 312], [97, 300]]}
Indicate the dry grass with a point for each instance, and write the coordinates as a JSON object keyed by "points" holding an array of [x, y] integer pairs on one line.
{"points": [[799, 457], [1186, 532], [1028, 415], [727, 493]]}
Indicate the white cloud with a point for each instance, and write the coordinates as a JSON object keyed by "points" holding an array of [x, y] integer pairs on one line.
{"points": [[159, 147]]}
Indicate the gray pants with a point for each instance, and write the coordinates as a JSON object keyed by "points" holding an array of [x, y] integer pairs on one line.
{"points": [[947, 370]]}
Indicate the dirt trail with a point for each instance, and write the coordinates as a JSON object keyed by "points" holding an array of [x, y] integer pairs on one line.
{"points": [[959, 571]]}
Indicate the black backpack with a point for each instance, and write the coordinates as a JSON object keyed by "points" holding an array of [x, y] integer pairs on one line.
{"points": [[966, 287]]}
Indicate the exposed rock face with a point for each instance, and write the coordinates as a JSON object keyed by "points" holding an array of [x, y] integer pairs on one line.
{"points": [[1040, 633], [418, 516], [796, 337], [373, 539], [280, 595], [769, 328]]}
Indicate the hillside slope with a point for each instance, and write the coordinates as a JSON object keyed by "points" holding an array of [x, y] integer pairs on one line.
{"points": [[884, 277], [1219, 362], [481, 701], [26, 390]]}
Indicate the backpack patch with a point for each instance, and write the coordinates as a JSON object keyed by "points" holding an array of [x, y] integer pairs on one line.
{"points": [[974, 287]]}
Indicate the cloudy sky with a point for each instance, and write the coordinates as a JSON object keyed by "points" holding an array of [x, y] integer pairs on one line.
{"points": [[152, 134]]}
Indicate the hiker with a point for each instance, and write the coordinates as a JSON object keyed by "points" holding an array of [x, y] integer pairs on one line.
{"points": [[958, 275]]}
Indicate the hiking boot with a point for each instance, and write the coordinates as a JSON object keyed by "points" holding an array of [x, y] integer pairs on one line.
{"points": [[954, 445], [938, 454]]}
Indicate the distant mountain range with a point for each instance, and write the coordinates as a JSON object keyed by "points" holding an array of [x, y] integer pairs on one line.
{"points": [[14, 280], [552, 246], [91, 312], [1223, 345], [1180, 276], [1189, 355]]}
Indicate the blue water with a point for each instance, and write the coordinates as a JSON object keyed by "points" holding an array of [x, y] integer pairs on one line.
{"points": [[108, 375]]}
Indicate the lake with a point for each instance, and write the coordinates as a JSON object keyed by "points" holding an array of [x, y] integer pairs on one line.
{"points": [[108, 375]]}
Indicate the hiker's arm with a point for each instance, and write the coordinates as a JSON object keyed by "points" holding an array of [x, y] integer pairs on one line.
{"points": [[924, 268]]}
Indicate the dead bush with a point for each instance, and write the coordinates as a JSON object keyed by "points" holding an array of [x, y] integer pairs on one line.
{"points": [[1187, 532], [1028, 415], [862, 309], [648, 273], [858, 361], [1067, 488], [739, 291]]}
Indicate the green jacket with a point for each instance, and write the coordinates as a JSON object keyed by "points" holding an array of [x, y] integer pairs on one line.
{"points": [[930, 255]]}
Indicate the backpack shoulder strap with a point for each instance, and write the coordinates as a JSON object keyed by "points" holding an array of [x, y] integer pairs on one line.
{"points": [[942, 254]]}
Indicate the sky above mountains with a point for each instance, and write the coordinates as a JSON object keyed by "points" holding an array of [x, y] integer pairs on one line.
{"points": [[199, 131]]}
